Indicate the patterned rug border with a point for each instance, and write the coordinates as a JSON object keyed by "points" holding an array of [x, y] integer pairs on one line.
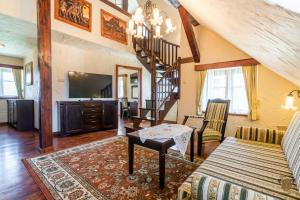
{"points": [[38, 180], [44, 185]]}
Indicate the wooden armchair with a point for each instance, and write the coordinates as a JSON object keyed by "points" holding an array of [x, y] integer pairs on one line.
{"points": [[214, 122]]}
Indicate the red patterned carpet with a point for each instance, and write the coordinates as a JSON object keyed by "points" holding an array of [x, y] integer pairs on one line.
{"points": [[99, 170]]}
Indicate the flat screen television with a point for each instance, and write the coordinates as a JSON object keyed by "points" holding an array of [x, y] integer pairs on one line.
{"points": [[86, 85]]}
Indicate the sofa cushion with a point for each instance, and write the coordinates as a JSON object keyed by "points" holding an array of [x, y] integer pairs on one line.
{"points": [[207, 187], [253, 165], [260, 134], [291, 147]]}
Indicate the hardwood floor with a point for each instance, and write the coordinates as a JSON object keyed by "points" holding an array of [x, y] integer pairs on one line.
{"points": [[15, 182]]}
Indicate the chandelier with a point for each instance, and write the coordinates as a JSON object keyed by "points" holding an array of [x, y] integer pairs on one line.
{"points": [[150, 16]]}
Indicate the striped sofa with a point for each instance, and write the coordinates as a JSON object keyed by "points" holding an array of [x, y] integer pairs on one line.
{"points": [[258, 164]]}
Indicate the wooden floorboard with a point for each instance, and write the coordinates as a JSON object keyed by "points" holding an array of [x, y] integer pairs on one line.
{"points": [[15, 182]]}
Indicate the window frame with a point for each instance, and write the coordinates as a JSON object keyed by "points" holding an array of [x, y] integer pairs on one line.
{"points": [[11, 67], [124, 8], [226, 90]]}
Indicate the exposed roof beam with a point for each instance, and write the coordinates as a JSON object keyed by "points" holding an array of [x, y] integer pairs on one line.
{"points": [[194, 21], [189, 33], [234, 63], [176, 4]]}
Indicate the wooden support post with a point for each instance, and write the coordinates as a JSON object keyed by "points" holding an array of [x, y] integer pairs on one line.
{"points": [[44, 64], [187, 25]]}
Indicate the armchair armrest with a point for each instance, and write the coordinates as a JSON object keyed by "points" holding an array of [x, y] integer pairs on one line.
{"points": [[260, 134], [215, 189]]}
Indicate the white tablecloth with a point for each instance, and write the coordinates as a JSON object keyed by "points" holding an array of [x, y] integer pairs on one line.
{"points": [[181, 134]]}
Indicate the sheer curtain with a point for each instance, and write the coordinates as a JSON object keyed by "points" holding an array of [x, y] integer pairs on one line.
{"points": [[200, 80], [18, 82], [226, 84], [250, 76]]}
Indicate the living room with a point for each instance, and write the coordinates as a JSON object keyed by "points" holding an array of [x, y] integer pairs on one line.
{"points": [[149, 99]]}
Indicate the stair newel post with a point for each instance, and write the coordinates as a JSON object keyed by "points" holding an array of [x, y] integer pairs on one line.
{"points": [[153, 77], [134, 43], [178, 64]]}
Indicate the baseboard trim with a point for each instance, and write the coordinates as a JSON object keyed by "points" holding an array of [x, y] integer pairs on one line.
{"points": [[3, 124]]}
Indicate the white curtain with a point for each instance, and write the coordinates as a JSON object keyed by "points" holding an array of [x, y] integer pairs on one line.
{"points": [[226, 84], [18, 82]]}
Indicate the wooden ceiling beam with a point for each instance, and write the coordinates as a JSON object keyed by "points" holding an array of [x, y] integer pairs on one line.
{"points": [[234, 63], [185, 18], [176, 4], [194, 21]]}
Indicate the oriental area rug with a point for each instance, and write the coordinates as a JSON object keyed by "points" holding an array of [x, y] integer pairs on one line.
{"points": [[99, 170]]}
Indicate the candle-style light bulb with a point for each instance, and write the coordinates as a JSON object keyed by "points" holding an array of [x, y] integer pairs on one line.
{"points": [[157, 32], [156, 13], [289, 103]]}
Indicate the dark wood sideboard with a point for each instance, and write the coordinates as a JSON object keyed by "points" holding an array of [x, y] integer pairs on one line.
{"points": [[20, 114], [87, 116]]}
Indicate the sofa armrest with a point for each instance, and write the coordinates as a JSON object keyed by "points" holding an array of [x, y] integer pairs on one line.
{"points": [[204, 186], [260, 134]]}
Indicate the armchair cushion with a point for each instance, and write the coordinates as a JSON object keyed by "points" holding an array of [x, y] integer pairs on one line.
{"points": [[215, 114], [211, 135], [260, 134]]}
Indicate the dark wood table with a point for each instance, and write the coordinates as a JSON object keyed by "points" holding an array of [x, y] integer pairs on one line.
{"points": [[161, 147]]}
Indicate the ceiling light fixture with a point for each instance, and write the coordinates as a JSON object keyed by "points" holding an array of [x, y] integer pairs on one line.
{"points": [[2, 45], [149, 16], [289, 102]]}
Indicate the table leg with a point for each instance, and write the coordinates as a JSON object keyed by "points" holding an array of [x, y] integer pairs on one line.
{"points": [[162, 161], [192, 147], [130, 155]]}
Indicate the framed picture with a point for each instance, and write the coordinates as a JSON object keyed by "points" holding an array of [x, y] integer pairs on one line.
{"points": [[75, 12], [134, 92], [29, 73], [113, 27]]}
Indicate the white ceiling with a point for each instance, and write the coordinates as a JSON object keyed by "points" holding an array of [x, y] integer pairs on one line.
{"points": [[18, 37], [266, 31]]}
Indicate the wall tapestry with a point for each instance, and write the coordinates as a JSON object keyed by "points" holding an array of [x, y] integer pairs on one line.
{"points": [[113, 27], [75, 12]]}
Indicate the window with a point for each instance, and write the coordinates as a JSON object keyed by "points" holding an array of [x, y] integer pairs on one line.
{"points": [[226, 84], [118, 3], [7, 83]]}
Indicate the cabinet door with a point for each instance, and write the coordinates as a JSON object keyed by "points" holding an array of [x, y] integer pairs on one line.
{"points": [[73, 118], [109, 115]]}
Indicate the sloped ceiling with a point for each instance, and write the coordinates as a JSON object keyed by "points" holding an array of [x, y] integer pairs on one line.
{"points": [[267, 32]]}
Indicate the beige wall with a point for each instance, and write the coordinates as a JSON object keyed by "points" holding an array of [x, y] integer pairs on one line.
{"points": [[272, 88]]}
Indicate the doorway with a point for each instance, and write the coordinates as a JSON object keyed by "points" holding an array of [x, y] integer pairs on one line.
{"points": [[128, 84]]}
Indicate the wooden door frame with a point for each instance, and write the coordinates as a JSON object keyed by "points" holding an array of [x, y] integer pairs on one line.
{"points": [[140, 81]]}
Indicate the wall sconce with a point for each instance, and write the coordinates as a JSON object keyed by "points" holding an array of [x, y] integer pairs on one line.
{"points": [[289, 102]]}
